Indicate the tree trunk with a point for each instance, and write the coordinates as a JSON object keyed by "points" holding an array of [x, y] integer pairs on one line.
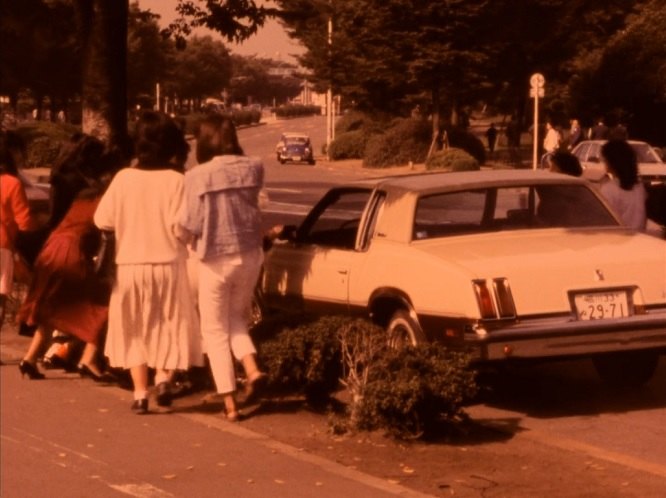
{"points": [[104, 93], [436, 117]]}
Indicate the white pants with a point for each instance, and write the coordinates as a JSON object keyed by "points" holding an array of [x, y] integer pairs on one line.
{"points": [[226, 286]]}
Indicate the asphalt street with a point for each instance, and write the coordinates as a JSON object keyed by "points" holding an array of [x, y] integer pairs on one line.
{"points": [[69, 437]]}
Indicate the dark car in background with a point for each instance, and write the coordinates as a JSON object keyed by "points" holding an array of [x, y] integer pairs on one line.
{"points": [[295, 147]]}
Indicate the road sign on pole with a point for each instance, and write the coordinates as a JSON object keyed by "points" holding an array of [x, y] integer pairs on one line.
{"points": [[537, 83]]}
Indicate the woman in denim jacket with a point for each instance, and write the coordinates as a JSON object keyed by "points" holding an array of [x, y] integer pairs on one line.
{"points": [[222, 215]]}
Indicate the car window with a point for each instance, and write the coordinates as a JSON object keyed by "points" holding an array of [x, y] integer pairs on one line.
{"points": [[509, 208], [594, 153], [581, 151], [334, 222], [644, 153]]}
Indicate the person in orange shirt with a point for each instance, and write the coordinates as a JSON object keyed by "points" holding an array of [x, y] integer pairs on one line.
{"points": [[14, 211]]}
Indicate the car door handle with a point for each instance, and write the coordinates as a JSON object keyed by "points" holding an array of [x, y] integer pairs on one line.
{"points": [[342, 272]]}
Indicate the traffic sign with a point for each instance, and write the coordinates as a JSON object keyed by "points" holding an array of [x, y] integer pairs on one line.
{"points": [[537, 80]]}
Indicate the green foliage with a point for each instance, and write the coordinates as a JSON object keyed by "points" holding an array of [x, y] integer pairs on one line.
{"points": [[468, 142], [411, 392], [302, 354], [452, 159], [349, 145], [44, 141], [297, 110], [406, 140]]}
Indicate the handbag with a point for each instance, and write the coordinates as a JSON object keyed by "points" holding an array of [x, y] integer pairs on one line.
{"points": [[104, 262]]}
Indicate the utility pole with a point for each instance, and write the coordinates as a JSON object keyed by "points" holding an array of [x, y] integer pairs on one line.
{"points": [[537, 82], [329, 93]]}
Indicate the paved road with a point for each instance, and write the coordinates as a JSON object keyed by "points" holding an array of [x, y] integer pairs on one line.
{"points": [[68, 437]]}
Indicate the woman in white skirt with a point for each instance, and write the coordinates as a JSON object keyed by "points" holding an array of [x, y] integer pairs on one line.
{"points": [[222, 215], [152, 318]]}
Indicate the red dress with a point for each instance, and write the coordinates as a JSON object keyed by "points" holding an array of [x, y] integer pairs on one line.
{"points": [[65, 293]]}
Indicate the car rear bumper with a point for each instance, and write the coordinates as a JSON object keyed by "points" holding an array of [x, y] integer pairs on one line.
{"points": [[551, 338]]}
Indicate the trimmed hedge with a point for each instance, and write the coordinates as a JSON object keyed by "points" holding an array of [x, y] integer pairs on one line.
{"points": [[452, 159], [44, 140], [406, 140], [349, 145]]}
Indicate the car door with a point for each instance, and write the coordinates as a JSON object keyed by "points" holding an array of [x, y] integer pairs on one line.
{"points": [[311, 272]]}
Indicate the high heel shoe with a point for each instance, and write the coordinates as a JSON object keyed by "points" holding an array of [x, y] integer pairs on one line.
{"points": [[86, 372], [254, 388], [27, 368], [140, 406]]}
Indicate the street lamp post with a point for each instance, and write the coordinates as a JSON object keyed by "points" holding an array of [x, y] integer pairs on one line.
{"points": [[329, 93]]}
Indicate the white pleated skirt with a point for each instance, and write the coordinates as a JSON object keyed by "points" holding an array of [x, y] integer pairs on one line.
{"points": [[153, 319]]}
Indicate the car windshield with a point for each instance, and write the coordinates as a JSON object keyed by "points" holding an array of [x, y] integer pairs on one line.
{"points": [[296, 140], [644, 153], [509, 208]]}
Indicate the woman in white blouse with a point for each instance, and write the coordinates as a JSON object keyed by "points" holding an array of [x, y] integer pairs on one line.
{"points": [[152, 318]]}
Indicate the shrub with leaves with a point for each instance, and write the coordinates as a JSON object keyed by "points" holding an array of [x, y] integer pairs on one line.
{"points": [[44, 141], [453, 160], [302, 357], [411, 392], [349, 145], [470, 143], [404, 141]]}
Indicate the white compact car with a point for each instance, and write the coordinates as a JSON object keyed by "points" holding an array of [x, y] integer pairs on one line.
{"points": [[512, 265]]}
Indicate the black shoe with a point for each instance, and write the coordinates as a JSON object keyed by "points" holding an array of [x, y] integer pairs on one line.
{"points": [[86, 372], [164, 396], [27, 368], [140, 406], [254, 389]]}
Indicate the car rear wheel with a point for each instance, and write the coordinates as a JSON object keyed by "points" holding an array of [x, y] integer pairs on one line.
{"points": [[403, 330], [632, 369]]}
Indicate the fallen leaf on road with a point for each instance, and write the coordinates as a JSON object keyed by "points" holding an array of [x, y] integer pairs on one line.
{"points": [[222, 464], [319, 483], [102, 410], [279, 481], [191, 467], [394, 481], [408, 470], [250, 481], [169, 476]]}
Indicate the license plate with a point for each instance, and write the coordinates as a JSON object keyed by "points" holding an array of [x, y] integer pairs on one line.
{"points": [[296, 158], [601, 305]]}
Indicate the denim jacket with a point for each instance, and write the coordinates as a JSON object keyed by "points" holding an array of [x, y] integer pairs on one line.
{"points": [[221, 208]]}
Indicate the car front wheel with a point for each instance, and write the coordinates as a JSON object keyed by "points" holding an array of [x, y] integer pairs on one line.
{"points": [[403, 330], [631, 369]]}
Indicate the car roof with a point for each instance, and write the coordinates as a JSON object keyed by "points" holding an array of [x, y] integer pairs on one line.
{"points": [[426, 182], [289, 134]]}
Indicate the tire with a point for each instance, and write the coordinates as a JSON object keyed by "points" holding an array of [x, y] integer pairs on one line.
{"points": [[403, 330], [622, 370], [311, 162]]}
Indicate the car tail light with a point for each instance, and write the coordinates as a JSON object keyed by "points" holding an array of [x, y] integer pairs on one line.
{"points": [[498, 303], [483, 297], [505, 305]]}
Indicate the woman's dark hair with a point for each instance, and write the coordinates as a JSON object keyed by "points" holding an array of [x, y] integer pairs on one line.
{"points": [[621, 160], [11, 143], [217, 137], [159, 140], [82, 163], [567, 163]]}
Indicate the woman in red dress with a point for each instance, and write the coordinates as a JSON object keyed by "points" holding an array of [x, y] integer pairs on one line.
{"points": [[65, 293]]}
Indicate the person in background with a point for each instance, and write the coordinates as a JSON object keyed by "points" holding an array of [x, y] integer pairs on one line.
{"points": [[491, 135], [623, 189], [15, 213], [565, 162], [551, 143], [222, 216], [575, 134], [599, 131], [152, 319], [65, 293]]}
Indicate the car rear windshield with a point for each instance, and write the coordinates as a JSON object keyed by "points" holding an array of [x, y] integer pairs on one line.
{"points": [[509, 208]]}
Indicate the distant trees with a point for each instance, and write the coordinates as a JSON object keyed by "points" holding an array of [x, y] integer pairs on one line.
{"points": [[387, 55]]}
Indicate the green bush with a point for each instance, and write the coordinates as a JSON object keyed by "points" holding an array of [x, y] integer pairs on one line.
{"points": [[406, 140], [297, 110], [301, 357], [470, 143], [452, 159], [44, 141], [411, 392], [349, 145]]}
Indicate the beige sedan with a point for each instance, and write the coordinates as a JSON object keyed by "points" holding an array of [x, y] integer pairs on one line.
{"points": [[512, 265]]}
